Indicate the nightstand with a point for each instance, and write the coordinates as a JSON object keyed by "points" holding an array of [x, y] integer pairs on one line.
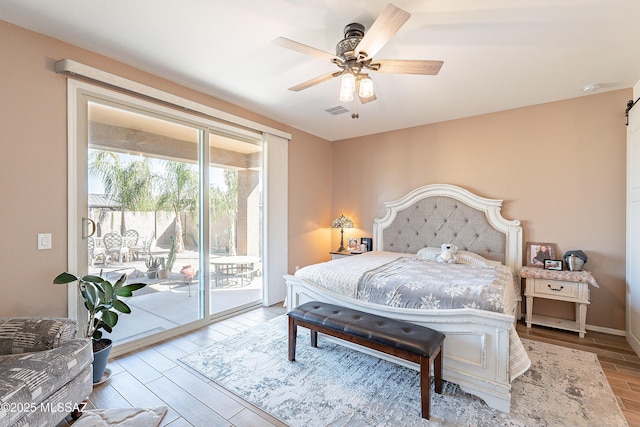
{"points": [[571, 286], [336, 255]]}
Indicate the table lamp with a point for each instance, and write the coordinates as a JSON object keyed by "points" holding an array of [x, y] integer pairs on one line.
{"points": [[342, 222]]}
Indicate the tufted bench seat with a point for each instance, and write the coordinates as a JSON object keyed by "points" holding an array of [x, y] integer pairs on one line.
{"points": [[405, 340]]}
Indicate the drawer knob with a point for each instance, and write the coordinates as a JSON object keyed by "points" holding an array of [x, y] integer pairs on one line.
{"points": [[556, 289]]}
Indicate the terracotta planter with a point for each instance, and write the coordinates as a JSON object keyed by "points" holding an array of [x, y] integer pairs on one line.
{"points": [[163, 274]]}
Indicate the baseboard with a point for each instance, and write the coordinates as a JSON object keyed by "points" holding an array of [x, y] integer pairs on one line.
{"points": [[610, 331]]}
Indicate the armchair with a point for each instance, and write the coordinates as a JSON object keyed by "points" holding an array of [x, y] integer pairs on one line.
{"points": [[45, 373]]}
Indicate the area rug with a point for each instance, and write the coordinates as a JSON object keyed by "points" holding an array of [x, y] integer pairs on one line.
{"points": [[122, 417], [336, 386]]}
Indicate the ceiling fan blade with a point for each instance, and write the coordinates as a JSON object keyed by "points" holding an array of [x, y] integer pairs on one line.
{"points": [[407, 66], [384, 27], [315, 81], [307, 50]]}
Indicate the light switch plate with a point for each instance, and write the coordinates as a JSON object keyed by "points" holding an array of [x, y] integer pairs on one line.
{"points": [[44, 241]]}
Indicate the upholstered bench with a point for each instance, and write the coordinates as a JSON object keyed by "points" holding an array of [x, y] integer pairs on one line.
{"points": [[405, 340]]}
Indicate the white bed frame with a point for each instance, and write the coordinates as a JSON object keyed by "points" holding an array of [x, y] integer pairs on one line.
{"points": [[476, 348]]}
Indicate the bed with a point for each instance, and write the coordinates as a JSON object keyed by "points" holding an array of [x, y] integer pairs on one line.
{"points": [[482, 351]]}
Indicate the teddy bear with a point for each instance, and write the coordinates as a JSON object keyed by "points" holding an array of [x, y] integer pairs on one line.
{"points": [[448, 253]]}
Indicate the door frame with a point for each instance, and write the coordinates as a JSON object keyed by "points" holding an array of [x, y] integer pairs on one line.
{"points": [[275, 218]]}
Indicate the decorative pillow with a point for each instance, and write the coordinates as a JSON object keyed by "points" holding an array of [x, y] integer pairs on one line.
{"points": [[429, 253], [472, 258]]}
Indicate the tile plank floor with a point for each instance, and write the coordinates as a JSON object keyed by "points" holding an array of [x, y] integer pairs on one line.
{"points": [[153, 376]]}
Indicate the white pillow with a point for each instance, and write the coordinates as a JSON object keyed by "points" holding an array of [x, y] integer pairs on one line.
{"points": [[429, 253], [472, 258]]}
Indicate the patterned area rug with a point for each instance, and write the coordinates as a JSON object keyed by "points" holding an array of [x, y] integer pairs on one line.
{"points": [[335, 386]]}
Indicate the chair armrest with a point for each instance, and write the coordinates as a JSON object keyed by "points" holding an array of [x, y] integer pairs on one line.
{"points": [[29, 334]]}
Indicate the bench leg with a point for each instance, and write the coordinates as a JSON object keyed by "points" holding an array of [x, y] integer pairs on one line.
{"points": [[425, 386], [293, 334], [314, 338], [425, 380], [437, 371]]}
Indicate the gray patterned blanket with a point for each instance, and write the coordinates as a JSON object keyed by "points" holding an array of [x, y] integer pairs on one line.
{"points": [[409, 282]]}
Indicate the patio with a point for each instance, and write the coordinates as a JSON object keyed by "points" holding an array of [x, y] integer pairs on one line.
{"points": [[173, 301]]}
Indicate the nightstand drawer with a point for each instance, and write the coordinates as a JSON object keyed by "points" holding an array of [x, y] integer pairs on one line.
{"points": [[556, 288]]}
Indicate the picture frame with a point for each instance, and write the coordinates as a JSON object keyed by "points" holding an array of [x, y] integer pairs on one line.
{"points": [[553, 264], [538, 252], [353, 244]]}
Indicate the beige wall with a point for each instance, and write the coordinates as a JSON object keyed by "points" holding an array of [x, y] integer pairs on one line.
{"points": [[560, 168], [33, 169]]}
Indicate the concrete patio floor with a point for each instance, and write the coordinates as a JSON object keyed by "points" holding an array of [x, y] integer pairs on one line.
{"points": [[167, 303]]}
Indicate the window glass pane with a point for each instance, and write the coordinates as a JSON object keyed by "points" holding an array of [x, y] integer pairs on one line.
{"points": [[235, 223], [143, 189]]}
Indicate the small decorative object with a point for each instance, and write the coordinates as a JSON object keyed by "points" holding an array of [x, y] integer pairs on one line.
{"points": [[367, 241], [188, 272], [342, 222], [448, 253], [537, 252], [575, 260], [103, 302], [352, 244], [553, 264]]}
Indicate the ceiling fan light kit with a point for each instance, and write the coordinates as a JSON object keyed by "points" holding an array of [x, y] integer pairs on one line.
{"points": [[355, 52], [347, 87]]}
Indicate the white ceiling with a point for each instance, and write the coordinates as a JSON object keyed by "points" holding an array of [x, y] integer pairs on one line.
{"points": [[498, 54]]}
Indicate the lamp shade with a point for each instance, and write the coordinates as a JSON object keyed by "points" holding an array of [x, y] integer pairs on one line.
{"points": [[347, 87], [366, 87], [342, 222]]}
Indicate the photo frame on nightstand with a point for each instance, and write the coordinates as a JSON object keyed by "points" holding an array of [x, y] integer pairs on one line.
{"points": [[353, 245], [538, 252], [553, 264]]}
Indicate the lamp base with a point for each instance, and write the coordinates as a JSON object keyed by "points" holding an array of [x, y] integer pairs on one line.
{"points": [[342, 249]]}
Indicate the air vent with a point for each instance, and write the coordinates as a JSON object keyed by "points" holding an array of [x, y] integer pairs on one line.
{"points": [[336, 110]]}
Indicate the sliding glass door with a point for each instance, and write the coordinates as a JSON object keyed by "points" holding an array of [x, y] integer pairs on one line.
{"points": [[236, 226], [172, 201]]}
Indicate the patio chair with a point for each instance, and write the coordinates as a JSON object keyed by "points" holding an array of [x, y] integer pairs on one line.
{"points": [[114, 245], [148, 245], [96, 252], [131, 238]]}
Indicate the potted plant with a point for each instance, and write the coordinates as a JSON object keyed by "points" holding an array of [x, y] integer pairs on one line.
{"points": [[165, 269], [163, 273], [153, 266], [102, 301]]}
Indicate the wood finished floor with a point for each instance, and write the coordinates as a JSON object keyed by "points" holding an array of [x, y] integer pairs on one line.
{"points": [[153, 376]]}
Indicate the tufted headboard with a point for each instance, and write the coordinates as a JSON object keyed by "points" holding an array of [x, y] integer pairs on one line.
{"points": [[443, 213]]}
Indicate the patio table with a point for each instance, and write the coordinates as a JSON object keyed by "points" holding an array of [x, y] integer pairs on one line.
{"points": [[233, 267]]}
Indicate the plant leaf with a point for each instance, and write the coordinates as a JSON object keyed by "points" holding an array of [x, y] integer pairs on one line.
{"points": [[121, 307], [121, 281], [90, 294], [63, 278], [92, 279], [110, 318], [127, 291], [108, 292]]}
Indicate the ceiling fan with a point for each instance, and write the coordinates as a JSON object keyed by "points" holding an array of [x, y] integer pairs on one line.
{"points": [[354, 56]]}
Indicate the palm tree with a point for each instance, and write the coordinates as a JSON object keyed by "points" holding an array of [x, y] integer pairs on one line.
{"points": [[129, 184], [179, 193], [224, 204]]}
